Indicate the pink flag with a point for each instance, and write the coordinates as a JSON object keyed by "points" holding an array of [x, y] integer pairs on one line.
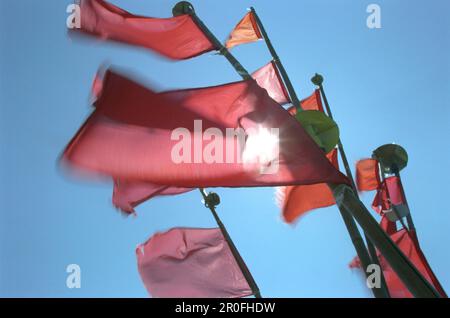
{"points": [[268, 78], [191, 262]]}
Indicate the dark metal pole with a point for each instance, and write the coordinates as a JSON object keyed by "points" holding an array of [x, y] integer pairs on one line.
{"points": [[352, 229], [318, 80], [291, 91]]}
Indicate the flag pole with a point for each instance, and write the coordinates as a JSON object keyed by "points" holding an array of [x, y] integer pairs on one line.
{"points": [[211, 200], [290, 88], [350, 223], [318, 81]]}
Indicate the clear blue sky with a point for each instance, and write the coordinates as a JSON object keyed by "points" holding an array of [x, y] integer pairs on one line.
{"points": [[384, 85]]}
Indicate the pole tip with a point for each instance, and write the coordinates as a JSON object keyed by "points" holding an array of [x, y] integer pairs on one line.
{"points": [[182, 7], [317, 79]]}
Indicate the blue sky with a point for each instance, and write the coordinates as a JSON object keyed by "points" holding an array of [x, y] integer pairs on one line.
{"points": [[384, 85]]}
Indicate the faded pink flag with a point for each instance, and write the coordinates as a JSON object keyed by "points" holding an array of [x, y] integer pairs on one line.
{"points": [[268, 78], [190, 262]]}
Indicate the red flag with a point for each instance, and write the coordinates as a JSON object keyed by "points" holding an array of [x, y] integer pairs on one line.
{"points": [[295, 201], [312, 102], [190, 263], [268, 78], [367, 175], [135, 134], [409, 245], [389, 193], [245, 31], [176, 38]]}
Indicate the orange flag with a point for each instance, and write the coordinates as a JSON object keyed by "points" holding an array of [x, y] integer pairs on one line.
{"points": [[295, 201], [367, 178], [246, 31]]}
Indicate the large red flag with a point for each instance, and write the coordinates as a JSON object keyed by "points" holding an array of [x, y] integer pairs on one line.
{"points": [[295, 201], [367, 175], [186, 262], [389, 193], [231, 135], [176, 38], [268, 78], [245, 31], [127, 195]]}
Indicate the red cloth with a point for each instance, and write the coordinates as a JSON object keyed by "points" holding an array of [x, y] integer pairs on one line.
{"points": [[409, 245], [246, 31], [367, 175], [295, 201], [184, 262], [128, 137], [176, 38], [268, 78], [389, 193], [312, 102]]}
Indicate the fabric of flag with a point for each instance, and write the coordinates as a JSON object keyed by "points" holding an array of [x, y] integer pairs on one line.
{"points": [[175, 38], [389, 193], [312, 102], [367, 175], [245, 31], [408, 243], [295, 201], [130, 136], [269, 78], [189, 262]]}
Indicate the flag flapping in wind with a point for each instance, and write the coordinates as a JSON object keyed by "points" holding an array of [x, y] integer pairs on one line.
{"points": [[389, 194], [268, 78], [295, 201], [127, 195], [246, 31], [367, 175], [407, 242], [231, 135], [175, 38], [190, 262]]}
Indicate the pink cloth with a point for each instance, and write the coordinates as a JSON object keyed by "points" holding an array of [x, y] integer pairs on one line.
{"points": [[189, 262], [268, 78]]}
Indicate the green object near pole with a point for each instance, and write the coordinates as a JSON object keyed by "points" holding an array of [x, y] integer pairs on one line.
{"points": [[185, 7]]}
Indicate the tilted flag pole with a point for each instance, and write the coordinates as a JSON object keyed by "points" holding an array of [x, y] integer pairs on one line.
{"points": [[294, 98], [212, 199], [350, 223], [318, 81], [351, 207]]}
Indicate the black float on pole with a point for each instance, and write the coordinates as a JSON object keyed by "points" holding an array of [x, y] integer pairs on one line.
{"points": [[350, 223], [212, 199]]}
